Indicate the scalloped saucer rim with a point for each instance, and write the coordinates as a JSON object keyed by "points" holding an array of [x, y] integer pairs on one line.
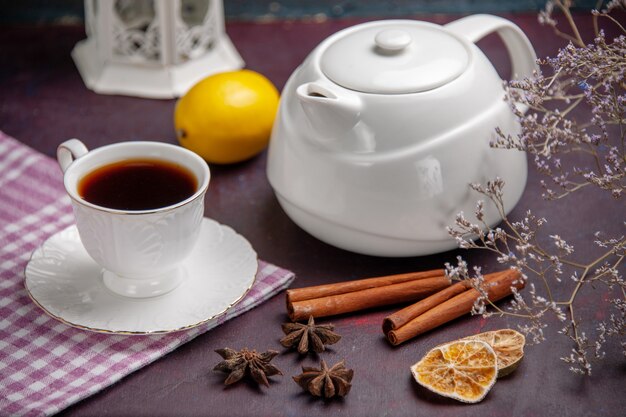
{"points": [[66, 283]]}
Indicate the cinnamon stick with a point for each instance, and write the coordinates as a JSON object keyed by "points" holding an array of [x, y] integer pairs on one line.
{"points": [[499, 286], [402, 317], [308, 293], [366, 298]]}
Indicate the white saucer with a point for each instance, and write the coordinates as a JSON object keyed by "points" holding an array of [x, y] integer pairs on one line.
{"points": [[66, 283]]}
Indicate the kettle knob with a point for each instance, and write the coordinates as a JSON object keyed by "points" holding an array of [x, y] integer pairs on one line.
{"points": [[392, 40]]}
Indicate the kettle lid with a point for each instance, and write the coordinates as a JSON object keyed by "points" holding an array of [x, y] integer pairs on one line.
{"points": [[394, 57]]}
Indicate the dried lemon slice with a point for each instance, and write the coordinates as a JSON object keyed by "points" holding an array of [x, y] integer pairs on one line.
{"points": [[464, 370], [508, 346]]}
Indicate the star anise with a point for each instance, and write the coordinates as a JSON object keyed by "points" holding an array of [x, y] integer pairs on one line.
{"points": [[250, 362], [309, 336], [326, 382]]}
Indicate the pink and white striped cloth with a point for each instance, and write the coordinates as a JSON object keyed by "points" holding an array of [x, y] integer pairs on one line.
{"points": [[46, 365]]}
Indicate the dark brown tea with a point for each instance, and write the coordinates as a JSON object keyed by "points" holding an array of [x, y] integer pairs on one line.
{"points": [[137, 184]]}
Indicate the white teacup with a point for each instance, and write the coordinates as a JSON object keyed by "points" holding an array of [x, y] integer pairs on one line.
{"points": [[141, 251]]}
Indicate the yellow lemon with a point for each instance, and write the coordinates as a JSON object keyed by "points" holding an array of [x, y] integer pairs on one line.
{"points": [[227, 117]]}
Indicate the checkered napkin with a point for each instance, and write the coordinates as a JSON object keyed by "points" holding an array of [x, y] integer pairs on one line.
{"points": [[46, 365]]}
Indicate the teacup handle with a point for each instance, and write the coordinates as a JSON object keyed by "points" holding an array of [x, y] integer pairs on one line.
{"points": [[69, 151]]}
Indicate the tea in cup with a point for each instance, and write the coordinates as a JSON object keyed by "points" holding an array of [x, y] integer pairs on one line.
{"points": [[138, 209]]}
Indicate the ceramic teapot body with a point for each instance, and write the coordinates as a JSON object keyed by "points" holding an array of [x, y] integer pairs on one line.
{"points": [[378, 160]]}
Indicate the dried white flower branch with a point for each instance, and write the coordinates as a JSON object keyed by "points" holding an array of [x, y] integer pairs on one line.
{"points": [[516, 245], [592, 75]]}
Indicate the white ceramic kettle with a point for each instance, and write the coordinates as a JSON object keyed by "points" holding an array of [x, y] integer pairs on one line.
{"points": [[384, 125]]}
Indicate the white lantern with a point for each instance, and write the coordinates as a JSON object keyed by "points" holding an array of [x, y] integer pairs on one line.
{"points": [[153, 48]]}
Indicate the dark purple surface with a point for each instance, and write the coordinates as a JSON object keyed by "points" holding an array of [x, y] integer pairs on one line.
{"points": [[43, 102]]}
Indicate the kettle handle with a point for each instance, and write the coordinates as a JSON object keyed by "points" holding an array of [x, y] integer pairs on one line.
{"points": [[521, 51]]}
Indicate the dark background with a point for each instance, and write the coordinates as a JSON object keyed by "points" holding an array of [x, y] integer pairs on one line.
{"points": [[43, 101], [71, 11]]}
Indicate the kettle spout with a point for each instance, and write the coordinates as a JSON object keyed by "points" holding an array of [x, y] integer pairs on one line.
{"points": [[331, 113]]}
